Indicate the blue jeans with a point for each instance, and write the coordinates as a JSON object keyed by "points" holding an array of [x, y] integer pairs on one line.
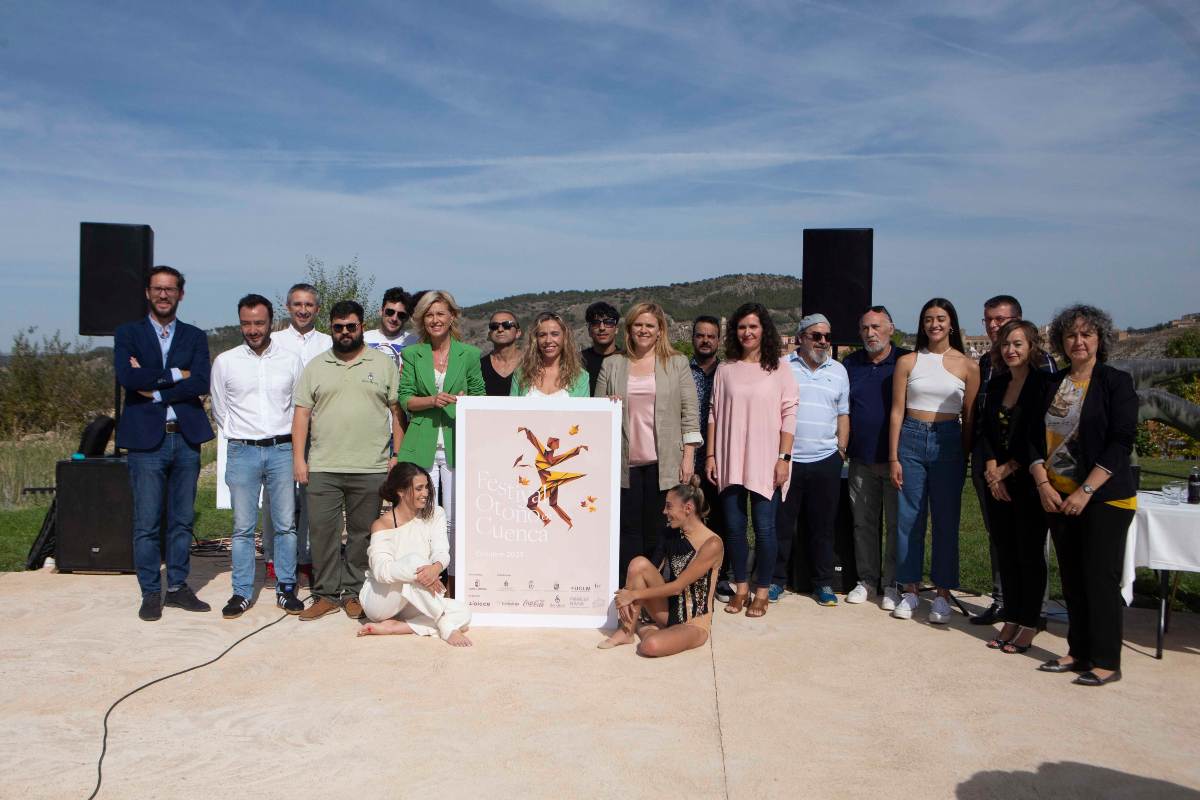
{"points": [[248, 469], [170, 469], [733, 501], [931, 457]]}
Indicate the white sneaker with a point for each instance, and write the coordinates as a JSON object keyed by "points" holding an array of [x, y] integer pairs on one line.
{"points": [[890, 598], [940, 613], [858, 594], [907, 605]]}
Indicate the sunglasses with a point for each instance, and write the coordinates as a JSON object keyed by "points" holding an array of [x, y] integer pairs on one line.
{"points": [[506, 325], [391, 312], [348, 327], [607, 322], [820, 337]]}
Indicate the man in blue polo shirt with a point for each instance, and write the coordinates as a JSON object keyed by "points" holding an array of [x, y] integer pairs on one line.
{"points": [[872, 495], [822, 427]]}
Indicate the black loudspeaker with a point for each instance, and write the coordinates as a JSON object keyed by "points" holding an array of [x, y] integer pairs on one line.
{"points": [[113, 263], [837, 277], [94, 516]]}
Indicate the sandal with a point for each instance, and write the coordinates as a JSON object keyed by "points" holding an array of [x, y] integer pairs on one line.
{"points": [[998, 644], [737, 603], [758, 607], [1012, 648]]}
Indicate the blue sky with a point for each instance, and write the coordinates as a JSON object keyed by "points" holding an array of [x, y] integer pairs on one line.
{"points": [[1050, 150]]}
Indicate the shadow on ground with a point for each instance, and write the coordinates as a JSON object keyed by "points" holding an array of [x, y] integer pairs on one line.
{"points": [[1068, 780]]}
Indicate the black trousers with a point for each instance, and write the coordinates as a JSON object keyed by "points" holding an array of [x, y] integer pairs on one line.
{"points": [[1091, 551], [1018, 533], [812, 499], [642, 517], [716, 522]]}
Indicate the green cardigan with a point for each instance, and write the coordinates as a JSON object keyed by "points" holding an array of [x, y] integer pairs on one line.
{"points": [[580, 388], [463, 376]]}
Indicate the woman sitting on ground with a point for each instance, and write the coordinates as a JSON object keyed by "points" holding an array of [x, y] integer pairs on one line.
{"points": [[403, 591], [678, 595]]}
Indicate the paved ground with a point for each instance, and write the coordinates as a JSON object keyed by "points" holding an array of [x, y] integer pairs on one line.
{"points": [[808, 702]]}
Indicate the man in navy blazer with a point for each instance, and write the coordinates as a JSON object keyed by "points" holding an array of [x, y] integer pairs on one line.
{"points": [[163, 365]]}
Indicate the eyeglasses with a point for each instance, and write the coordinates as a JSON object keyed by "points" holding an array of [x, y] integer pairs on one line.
{"points": [[817, 336], [391, 312], [163, 290], [507, 325], [997, 321], [348, 327], [606, 322]]}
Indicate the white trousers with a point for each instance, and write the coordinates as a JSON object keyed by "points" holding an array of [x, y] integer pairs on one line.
{"points": [[442, 478], [425, 612]]}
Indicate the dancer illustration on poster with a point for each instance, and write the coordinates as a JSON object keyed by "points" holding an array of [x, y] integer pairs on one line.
{"points": [[550, 481]]}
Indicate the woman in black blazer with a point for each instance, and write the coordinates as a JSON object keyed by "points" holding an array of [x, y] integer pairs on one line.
{"points": [[1086, 487], [1018, 522]]}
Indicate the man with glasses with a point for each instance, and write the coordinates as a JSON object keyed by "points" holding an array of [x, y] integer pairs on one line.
{"points": [[347, 394], [997, 311], [504, 332], [391, 337], [163, 365], [818, 450], [873, 497], [602, 321]]}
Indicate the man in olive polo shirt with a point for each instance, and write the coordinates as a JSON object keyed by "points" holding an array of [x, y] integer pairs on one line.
{"points": [[346, 393]]}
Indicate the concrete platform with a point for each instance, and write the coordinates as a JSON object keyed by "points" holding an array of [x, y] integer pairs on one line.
{"points": [[807, 702]]}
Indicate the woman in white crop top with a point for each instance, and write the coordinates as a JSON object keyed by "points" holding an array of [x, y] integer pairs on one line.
{"points": [[403, 591], [933, 399]]}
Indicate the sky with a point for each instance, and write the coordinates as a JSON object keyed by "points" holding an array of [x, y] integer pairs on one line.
{"points": [[1047, 150]]}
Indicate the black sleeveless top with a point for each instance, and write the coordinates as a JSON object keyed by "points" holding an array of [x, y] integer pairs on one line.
{"points": [[495, 384], [692, 602]]}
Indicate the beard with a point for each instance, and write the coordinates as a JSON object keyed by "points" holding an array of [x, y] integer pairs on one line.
{"points": [[818, 357], [878, 347], [350, 346]]}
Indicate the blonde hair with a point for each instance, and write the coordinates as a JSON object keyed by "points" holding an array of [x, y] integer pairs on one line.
{"points": [[570, 365], [428, 299], [663, 349]]}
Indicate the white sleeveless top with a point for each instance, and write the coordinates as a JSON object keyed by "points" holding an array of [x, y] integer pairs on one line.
{"points": [[931, 387]]}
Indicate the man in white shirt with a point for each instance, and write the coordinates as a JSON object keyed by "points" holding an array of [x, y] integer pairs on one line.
{"points": [[252, 389], [302, 338], [818, 450], [391, 338]]}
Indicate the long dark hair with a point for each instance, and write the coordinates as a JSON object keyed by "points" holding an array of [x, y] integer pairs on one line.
{"points": [[771, 350], [400, 479], [1032, 336], [956, 340]]}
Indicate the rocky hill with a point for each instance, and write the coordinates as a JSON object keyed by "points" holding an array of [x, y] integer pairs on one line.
{"points": [[682, 302]]}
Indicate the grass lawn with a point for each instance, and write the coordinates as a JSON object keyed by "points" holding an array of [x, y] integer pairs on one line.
{"points": [[19, 526]]}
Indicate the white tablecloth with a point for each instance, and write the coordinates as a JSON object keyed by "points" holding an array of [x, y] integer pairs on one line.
{"points": [[1161, 536]]}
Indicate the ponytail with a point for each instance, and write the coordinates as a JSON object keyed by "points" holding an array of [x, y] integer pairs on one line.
{"points": [[691, 492]]}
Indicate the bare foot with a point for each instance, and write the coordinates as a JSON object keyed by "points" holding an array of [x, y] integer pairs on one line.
{"points": [[389, 627], [458, 639], [616, 640]]}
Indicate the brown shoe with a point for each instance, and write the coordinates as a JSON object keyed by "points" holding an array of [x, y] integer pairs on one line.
{"points": [[320, 608], [353, 608]]}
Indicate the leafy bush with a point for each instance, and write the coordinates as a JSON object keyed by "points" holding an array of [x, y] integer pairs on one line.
{"points": [[52, 385]]}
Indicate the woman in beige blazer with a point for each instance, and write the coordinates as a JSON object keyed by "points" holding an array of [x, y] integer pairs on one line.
{"points": [[660, 427]]}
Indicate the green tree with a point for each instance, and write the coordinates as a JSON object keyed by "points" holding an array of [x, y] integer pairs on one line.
{"points": [[1185, 345], [339, 283], [52, 384]]}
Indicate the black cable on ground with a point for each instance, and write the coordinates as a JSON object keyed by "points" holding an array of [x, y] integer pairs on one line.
{"points": [[104, 739]]}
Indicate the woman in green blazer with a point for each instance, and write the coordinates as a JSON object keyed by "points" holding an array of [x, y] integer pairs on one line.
{"points": [[433, 374], [551, 366]]}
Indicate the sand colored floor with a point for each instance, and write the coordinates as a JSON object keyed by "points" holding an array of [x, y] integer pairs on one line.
{"points": [[808, 702]]}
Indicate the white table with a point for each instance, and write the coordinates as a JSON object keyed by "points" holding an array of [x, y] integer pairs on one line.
{"points": [[1164, 537]]}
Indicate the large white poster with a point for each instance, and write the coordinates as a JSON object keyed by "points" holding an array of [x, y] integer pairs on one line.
{"points": [[537, 500]]}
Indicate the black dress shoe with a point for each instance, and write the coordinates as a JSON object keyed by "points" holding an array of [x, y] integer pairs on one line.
{"points": [[1075, 666], [184, 598], [988, 617], [1090, 678], [151, 609]]}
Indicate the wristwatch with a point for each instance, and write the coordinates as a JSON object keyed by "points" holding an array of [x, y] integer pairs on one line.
{"points": [[1087, 488], [785, 456]]}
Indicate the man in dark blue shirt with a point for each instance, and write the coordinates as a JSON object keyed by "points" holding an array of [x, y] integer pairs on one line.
{"points": [[873, 498], [706, 342]]}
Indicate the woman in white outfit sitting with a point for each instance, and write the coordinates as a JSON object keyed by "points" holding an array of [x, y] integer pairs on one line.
{"points": [[403, 592]]}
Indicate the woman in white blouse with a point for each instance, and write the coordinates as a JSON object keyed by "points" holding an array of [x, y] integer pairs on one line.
{"points": [[403, 591], [551, 366]]}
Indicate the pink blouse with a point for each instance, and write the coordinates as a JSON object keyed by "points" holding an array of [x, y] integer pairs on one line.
{"points": [[640, 397], [751, 407]]}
